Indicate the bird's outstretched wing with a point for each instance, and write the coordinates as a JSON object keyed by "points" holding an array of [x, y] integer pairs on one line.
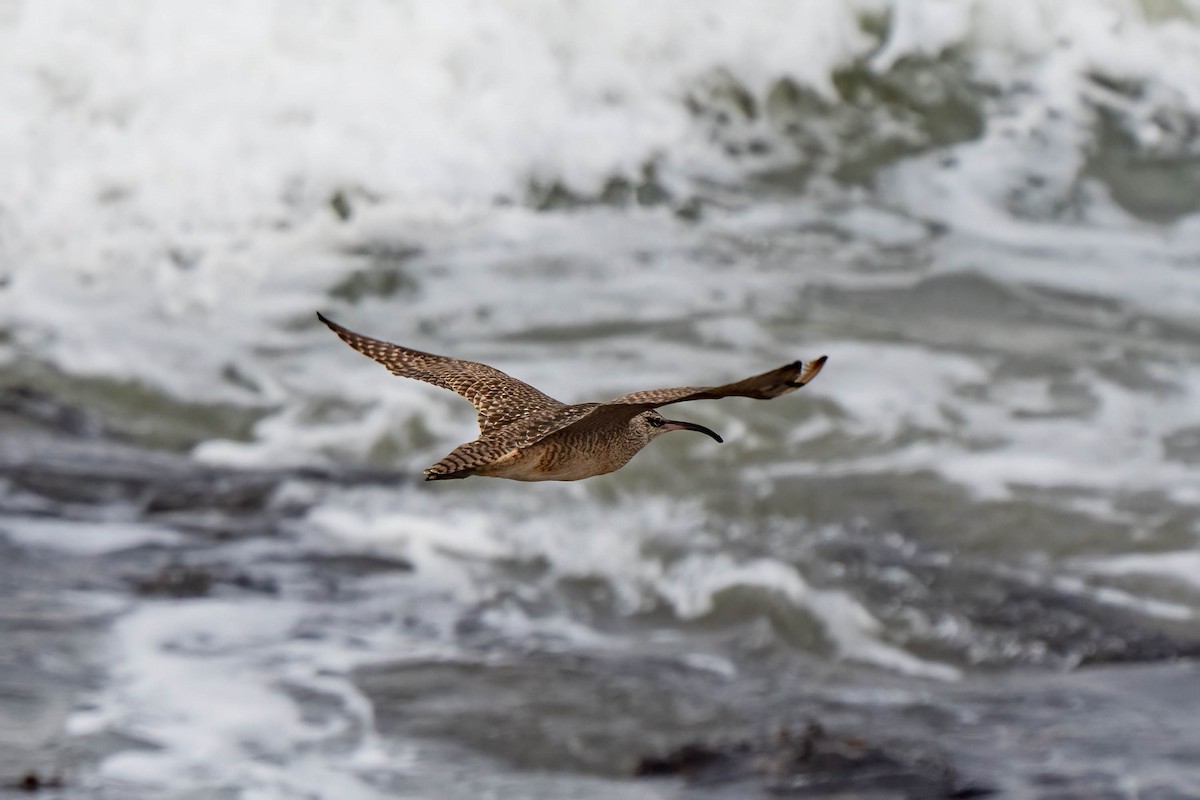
{"points": [[500, 399], [766, 386]]}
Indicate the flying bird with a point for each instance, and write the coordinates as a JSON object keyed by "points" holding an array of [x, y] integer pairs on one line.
{"points": [[525, 435]]}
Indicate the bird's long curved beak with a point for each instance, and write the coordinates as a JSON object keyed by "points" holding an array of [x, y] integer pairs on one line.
{"points": [[678, 425]]}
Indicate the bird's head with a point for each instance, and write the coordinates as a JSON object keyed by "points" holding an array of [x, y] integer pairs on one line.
{"points": [[653, 424]]}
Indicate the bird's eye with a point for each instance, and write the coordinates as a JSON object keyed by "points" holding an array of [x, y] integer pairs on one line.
{"points": [[656, 421]]}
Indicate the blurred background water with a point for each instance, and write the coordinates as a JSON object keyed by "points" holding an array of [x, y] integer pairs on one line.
{"points": [[969, 551]]}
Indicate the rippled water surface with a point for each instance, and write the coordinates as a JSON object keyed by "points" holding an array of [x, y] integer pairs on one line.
{"points": [[962, 562]]}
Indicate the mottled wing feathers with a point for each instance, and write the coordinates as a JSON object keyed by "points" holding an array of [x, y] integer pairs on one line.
{"points": [[500, 399], [465, 459]]}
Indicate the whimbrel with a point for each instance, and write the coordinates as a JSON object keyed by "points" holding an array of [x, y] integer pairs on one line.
{"points": [[525, 435]]}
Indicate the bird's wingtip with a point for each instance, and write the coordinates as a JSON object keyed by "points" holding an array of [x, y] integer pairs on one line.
{"points": [[333, 326], [431, 475], [808, 370]]}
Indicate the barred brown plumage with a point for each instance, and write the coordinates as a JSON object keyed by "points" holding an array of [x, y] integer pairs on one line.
{"points": [[527, 435]]}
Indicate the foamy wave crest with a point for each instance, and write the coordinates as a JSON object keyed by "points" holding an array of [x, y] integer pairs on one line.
{"points": [[221, 119], [630, 555]]}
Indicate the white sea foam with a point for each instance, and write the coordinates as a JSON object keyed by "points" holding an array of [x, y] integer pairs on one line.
{"points": [[614, 552], [1016, 434], [85, 538], [1116, 597], [162, 688], [213, 685], [1182, 566], [125, 157], [693, 583], [857, 634]]}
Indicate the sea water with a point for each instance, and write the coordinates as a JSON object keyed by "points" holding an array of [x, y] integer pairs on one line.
{"points": [[984, 213]]}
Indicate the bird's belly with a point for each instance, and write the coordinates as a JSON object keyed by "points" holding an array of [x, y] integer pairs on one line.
{"points": [[546, 464]]}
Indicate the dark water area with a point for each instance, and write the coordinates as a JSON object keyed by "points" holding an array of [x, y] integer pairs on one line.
{"points": [[643, 715]]}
